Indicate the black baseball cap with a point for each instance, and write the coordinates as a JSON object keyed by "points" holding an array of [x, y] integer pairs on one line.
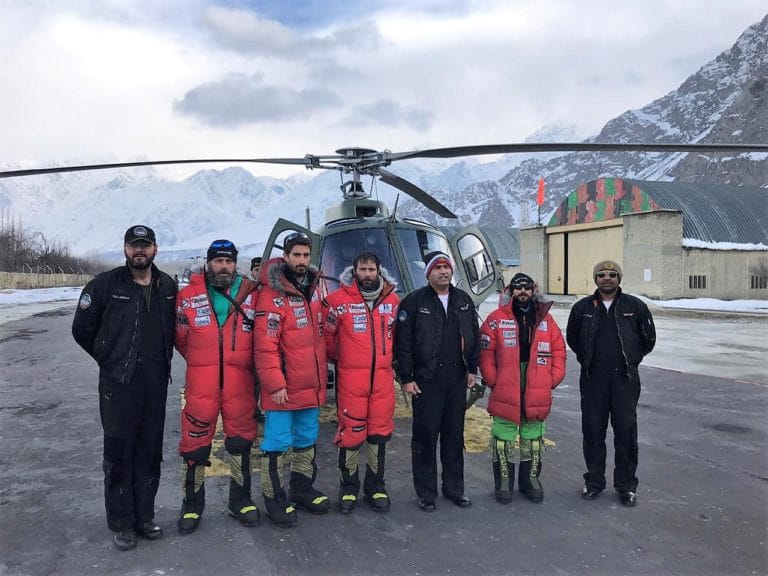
{"points": [[139, 233]]}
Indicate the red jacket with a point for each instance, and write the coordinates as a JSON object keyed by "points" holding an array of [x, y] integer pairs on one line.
{"points": [[500, 363], [359, 340], [219, 363], [289, 349]]}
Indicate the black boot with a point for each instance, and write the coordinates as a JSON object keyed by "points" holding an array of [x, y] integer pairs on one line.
{"points": [[125, 540], [303, 473], [529, 473], [349, 480], [241, 507], [194, 498], [373, 485], [503, 471], [278, 510]]}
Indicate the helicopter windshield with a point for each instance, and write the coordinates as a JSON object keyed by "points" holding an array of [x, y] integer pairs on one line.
{"points": [[416, 244], [339, 250]]}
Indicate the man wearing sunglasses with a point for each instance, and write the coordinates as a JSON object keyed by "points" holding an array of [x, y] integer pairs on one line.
{"points": [[610, 332], [289, 350], [522, 359], [214, 334]]}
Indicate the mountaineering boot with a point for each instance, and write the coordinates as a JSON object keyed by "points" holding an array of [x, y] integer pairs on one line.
{"points": [[373, 484], [125, 540], [241, 507], [349, 480], [503, 471], [194, 498], [530, 470], [278, 509], [303, 473]]}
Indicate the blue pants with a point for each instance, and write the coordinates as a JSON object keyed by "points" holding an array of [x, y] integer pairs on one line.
{"points": [[285, 429]]}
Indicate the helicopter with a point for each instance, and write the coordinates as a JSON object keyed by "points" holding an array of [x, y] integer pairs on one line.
{"points": [[361, 223]]}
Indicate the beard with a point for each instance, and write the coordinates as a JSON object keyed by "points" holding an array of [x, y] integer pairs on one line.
{"points": [[220, 280], [368, 285], [139, 262]]}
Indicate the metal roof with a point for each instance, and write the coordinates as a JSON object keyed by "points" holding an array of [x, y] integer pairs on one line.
{"points": [[714, 213], [711, 212]]}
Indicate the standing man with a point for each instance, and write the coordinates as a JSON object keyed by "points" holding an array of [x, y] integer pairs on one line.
{"points": [[255, 268], [124, 320], [214, 334], [522, 359], [289, 350], [358, 337], [610, 332], [436, 350], [255, 271]]}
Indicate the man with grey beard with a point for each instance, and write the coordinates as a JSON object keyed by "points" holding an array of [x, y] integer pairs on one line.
{"points": [[125, 321]]}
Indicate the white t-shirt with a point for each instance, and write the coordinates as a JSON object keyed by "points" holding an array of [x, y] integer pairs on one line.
{"points": [[444, 300]]}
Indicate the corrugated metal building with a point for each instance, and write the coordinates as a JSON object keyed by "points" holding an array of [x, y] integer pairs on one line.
{"points": [[673, 239]]}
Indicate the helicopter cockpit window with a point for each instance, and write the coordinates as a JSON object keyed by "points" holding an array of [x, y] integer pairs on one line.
{"points": [[416, 244], [477, 263], [339, 250]]}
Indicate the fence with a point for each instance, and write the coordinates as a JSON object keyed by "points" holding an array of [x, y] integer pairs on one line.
{"points": [[24, 280]]}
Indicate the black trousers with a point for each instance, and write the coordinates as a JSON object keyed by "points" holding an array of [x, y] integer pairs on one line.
{"points": [[133, 419], [611, 393], [438, 414]]}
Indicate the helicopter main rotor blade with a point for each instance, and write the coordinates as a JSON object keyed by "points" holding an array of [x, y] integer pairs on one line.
{"points": [[415, 192], [308, 161], [576, 147]]}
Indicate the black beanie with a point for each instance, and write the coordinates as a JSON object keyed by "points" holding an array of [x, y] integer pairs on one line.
{"points": [[221, 249], [520, 277]]}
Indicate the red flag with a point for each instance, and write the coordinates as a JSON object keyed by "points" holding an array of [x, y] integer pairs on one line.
{"points": [[540, 195]]}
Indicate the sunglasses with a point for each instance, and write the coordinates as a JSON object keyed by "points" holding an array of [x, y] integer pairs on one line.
{"points": [[609, 274], [522, 286], [222, 244]]}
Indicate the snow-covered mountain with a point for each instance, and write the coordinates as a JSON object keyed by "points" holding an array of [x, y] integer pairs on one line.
{"points": [[725, 101]]}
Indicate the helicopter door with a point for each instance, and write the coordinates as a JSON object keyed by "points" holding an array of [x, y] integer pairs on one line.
{"points": [[283, 228], [476, 271]]}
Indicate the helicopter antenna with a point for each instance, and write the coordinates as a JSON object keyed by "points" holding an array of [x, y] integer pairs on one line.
{"points": [[394, 210]]}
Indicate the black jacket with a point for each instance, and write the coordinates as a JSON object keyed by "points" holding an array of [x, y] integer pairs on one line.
{"points": [[420, 327], [106, 323], [637, 333]]}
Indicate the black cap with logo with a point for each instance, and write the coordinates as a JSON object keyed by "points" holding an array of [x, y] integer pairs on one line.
{"points": [[139, 233]]}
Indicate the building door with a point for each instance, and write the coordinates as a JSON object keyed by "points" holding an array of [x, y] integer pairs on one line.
{"points": [[556, 280]]}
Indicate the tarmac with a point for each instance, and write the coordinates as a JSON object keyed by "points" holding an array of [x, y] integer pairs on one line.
{"points": [[702, 500]]}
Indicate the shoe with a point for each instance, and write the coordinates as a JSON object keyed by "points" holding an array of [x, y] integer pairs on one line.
{"points": [[590, 493], [459, 499], [379, 501], [310, 500], [628, 498], [190, 516], [280, 512], [426, 505], [245, 512], [149, 531], [347, 503], [125, 540]]}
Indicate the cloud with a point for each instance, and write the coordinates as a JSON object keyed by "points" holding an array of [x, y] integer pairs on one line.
{"points": [[239, 99], [248, 33], [387, 112]]}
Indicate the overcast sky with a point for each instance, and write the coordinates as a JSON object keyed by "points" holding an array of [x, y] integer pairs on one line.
{"points": [[109, 80]]}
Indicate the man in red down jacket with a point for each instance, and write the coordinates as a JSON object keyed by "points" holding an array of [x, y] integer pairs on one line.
{"points": [[522, 358], [214, 334], [358, 337], [289, 351]]}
